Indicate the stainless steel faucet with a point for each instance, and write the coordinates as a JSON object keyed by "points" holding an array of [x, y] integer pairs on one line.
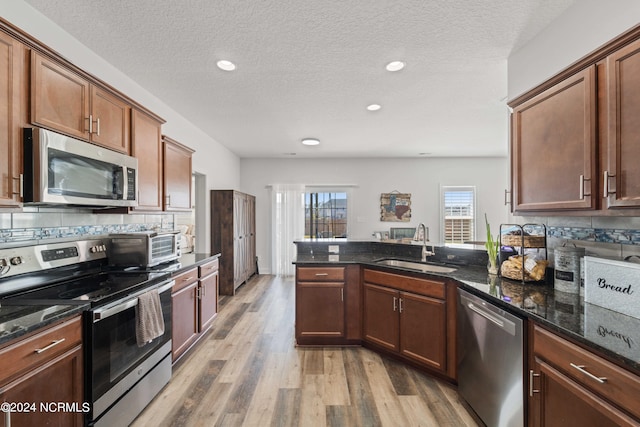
{"points": [[425, 239]]}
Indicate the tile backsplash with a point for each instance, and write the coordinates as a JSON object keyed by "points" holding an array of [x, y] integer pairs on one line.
{"points": [[605, 237], [38, 225]]}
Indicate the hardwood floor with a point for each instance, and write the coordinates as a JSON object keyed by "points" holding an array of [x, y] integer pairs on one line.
{"points": [[248, 372]]}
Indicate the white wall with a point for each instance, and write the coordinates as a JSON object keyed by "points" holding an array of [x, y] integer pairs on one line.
{"points": [[221, 166], [420, 177], [581, 29]]}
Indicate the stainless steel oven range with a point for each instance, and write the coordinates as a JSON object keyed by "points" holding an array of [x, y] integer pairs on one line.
{"points": [[121, 376]]}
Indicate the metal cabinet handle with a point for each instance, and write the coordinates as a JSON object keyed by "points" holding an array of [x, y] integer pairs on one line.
{"points": [[98, 126], [322, 274], [582, 192], [199, 293], [342, 294], [204, 291], [395, 304], [53, 344], [7, 419], [186, 279], [582, 369], [167, 200], [531, 389], [400, 305], [605, 184], [20, 180], [507, 200]]}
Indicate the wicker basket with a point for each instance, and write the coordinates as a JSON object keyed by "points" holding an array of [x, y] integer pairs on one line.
{"points": [[516, 240]]}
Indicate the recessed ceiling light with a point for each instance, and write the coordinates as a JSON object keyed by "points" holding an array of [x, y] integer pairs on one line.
{"points": [[374, 107], [395, 66], [311, 141], [225, 65]]}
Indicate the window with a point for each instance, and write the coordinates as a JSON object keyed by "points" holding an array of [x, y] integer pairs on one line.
{"points": [[325, 214], [459, 214]]}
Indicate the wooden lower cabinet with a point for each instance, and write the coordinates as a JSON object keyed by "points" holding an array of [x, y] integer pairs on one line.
{"points": [[327, 305], [571, 386], [195, 306], [409, 324], [40, 379]]}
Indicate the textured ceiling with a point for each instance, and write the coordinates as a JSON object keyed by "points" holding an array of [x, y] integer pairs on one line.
{"points": [[308, 68]]}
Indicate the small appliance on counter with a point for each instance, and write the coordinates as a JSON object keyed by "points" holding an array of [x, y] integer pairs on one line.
{"points": [[143, 249]]}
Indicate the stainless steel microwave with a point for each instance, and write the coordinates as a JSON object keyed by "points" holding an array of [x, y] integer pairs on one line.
{"points": [[63, 170]]}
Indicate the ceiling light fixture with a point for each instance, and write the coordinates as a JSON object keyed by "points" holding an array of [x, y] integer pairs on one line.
{"points": [[395, 66], [311, 141], [225, 65], [374, 107]]}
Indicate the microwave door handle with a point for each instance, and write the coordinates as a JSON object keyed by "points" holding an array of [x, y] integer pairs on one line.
{"points": [[125, 183]]}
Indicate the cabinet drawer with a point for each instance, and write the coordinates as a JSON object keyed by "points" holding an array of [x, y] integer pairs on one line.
{"points": [[427, 287], [619, 386], [35, 350], [185, 279], [208, 268], [320, 274]]}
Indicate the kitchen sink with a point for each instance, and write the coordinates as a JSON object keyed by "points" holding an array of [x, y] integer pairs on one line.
{"points": [[427, 268]]}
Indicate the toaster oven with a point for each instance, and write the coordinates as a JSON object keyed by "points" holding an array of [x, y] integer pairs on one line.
{"points": [[144, 249]]}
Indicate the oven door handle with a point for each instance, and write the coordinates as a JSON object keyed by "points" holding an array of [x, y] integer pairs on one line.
{"points": [[103, 313]]}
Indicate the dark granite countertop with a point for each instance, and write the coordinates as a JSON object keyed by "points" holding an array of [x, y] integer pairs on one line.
{"points": [[19, 320], [194, 260], [613, 334]]}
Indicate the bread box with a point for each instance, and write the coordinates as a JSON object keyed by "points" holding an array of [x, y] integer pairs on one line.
{"points": [[613, 284]]}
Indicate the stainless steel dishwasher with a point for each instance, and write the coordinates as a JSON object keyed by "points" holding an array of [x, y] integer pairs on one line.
{"points": [[490, 361]]}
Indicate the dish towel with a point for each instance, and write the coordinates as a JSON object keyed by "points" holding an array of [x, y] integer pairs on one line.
{"points": [[149, 320]]}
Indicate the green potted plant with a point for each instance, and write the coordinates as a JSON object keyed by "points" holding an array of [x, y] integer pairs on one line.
{"points": [[492, 249]]}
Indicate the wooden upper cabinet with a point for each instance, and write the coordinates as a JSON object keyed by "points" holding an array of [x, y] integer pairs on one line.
{"points": [[111, 120], [146, 146], [553, 148], [67, 102], [59, 97], [621, 176], [177, 176], [12, 101]]}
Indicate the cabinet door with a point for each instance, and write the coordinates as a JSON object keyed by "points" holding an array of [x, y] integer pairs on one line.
{"points": [[184, 319], [621, 185], [208, 302], [320, 309], [59, 380], [59, 98], [111, 120], [177, 176], [423, 330], [10, 97], [381, 319], [561, 402], [146, 146], [554, 147]]}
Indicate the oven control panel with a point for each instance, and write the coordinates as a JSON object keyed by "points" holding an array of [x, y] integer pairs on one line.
{"points": [[28, 259]]}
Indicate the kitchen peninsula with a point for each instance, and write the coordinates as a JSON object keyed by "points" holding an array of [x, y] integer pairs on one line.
{"points": [[560, 328]]}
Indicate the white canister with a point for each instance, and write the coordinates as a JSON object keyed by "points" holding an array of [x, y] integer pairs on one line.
{"points": [[567, 269]]}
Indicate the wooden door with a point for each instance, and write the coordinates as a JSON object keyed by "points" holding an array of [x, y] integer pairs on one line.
{"points": [[320, 309], [10, 107], [184, 319], [111, 120], [177, 176], [208, 302], [423, 332], [146, 146], [59, 98], [381, 316], [59, 380], [621, 185], [553, 147], [559, 401]]}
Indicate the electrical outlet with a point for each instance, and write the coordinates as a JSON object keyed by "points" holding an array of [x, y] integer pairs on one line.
{"points": [[334, 249]]}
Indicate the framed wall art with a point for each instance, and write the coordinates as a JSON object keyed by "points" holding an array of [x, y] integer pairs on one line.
{"points": [[395, 207]]}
